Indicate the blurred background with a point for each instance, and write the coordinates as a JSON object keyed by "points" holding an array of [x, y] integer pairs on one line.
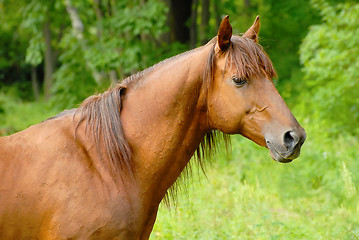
{"points": [[53, 54]]}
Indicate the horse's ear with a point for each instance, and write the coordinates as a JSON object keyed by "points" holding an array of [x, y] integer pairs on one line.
{"points": [[224, 34], [252, 32]]}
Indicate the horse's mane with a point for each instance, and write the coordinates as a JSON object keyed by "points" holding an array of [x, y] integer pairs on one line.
{"points": [[101, 113]]}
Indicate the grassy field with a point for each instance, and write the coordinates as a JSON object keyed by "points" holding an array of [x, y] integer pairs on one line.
{"points": [[249, 196]]}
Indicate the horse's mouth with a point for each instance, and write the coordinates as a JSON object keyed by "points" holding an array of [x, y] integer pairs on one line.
{"points": [[283, 157]]}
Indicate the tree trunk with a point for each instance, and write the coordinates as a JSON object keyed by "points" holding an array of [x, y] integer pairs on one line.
{"points": [[204, 21], [166, 37], [76, 22], [180, 13], [193, 30], [34, 82], [49, 61], [78, 28]]}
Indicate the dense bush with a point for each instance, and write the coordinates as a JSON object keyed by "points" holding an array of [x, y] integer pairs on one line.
{"points": [[329, 54], [118, 43], [17, 114]]}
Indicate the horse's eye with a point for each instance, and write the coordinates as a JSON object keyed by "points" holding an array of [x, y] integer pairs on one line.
{"points": [[238, 81]]}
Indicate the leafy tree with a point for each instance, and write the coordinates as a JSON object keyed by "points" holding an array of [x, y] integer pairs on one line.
{"points": [[74, 46], [43, 22], [329, 54], [13, 43], [108, 40]]}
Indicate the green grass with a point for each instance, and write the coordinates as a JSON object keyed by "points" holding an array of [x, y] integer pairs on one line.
{"points": [[252, 197]]}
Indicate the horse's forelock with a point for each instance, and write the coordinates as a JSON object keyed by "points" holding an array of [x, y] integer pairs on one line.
{"points": [[249, 58]]}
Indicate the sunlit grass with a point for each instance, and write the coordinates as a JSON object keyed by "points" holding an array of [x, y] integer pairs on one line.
{"points": [[252, 197]]}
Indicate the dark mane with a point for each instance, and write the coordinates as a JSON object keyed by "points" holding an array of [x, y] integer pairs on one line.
{"points": [[101, 113], [63, 113]]}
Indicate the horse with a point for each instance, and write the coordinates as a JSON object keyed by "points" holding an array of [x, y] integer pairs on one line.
{"points": [[101, 170]]}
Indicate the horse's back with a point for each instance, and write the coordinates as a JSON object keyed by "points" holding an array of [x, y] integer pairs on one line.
{"points": [[27, 163], [33, 151], [45, 177], [33, 183]]}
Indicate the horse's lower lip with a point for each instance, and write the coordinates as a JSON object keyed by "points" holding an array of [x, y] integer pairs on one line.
{"points": [[277, 156]]}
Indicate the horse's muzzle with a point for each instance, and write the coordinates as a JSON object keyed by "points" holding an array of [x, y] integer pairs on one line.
{"points": [[289, 148]]}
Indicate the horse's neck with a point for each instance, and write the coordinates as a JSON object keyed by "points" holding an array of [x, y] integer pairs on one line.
{"points": [[164, 121]]}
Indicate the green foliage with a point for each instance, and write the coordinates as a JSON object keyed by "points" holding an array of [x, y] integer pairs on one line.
{"points": [[13, 43], [34, 51], [74, 81], [329, 54], [123, 41], [34, 15], [123, 37], [283, 26], [127, 37], [117, 40], [16, 115]]}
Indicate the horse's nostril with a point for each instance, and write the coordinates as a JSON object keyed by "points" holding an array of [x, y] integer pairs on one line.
{"points": [[290, 139]]}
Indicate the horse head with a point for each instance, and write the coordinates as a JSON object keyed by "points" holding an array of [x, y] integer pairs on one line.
{"points": [[243, 99]]}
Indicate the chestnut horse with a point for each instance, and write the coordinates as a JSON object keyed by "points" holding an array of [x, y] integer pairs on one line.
{"points": [[101, 171]]}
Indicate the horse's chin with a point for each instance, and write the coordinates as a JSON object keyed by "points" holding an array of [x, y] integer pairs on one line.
{"points": [[276, 156]]}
